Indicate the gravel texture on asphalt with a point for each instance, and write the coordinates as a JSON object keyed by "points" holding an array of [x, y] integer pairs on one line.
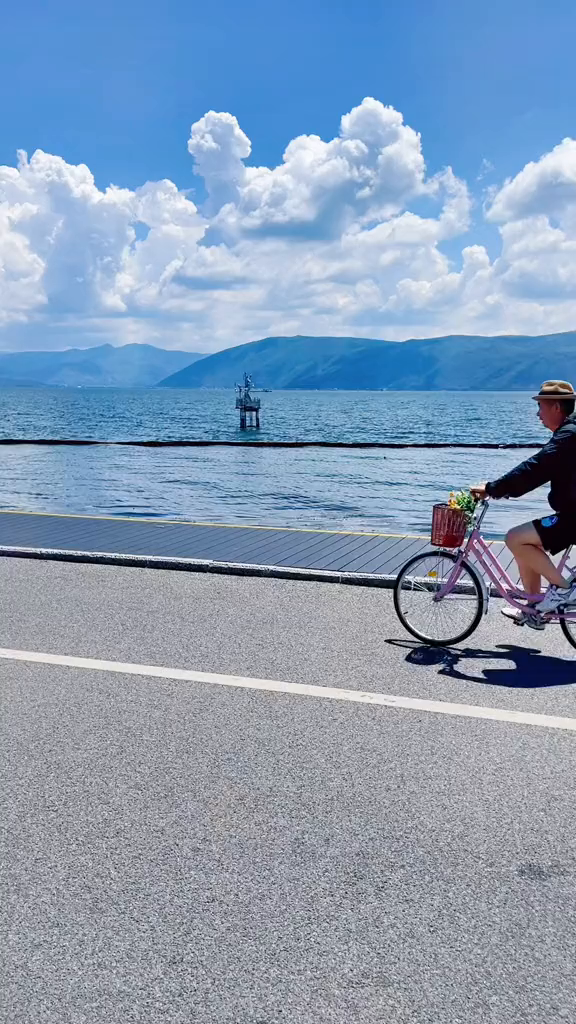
{"points": [[190, 853]]}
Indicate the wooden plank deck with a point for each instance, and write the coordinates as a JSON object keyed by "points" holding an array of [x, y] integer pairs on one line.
{"points": [[320, 550]]}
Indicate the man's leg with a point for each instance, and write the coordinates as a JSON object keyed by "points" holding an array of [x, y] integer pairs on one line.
{"points": [[533, 562]]}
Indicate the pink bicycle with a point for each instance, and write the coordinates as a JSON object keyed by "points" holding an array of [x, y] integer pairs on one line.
{"points": [[440, 596]]}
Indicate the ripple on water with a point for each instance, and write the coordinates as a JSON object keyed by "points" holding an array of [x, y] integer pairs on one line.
{"points": [[384, 491]]}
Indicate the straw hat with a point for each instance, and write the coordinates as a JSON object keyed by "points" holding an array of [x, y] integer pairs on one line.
{"points": [[555, 390]]}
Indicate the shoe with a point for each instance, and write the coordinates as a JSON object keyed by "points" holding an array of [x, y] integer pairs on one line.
{"points": [[556, 597], [521, 617], [516, 614]]}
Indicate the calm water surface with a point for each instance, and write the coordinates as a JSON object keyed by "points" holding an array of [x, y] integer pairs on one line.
{"points": [[366, 490]]}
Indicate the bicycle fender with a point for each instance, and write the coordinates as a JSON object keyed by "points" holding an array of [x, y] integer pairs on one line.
{"points": [[485, 592]]}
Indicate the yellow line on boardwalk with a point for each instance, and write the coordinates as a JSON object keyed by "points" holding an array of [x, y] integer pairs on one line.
{"points": [[223, 526]]}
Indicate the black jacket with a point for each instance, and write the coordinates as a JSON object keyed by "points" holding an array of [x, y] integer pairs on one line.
{"points": [[555, 463]]}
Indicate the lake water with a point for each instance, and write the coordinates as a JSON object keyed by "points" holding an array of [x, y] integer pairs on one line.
{"points": [[380, 490]]}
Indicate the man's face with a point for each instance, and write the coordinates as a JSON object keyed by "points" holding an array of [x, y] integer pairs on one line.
{"points": [[550, 414]]}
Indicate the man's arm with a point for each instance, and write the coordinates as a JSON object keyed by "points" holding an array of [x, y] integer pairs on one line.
{"points": [[535, 471]]}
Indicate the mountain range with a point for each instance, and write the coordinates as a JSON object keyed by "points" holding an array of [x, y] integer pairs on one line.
{"points": [[452, 363], [101, 366]]}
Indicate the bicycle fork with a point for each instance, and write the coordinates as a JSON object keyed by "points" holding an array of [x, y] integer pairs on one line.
{"points": [[452, 580]]}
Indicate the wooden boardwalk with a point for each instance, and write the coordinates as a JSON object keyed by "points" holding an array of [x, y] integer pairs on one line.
{"points": [[328, 551]]}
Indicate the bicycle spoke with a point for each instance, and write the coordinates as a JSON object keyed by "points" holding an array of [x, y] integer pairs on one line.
{"points": [[443, 620]]}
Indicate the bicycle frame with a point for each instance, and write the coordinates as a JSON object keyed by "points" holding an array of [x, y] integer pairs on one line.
{"points": [[494, 571]]}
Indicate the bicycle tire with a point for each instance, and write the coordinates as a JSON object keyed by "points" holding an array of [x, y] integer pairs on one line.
{"points": [[448, 639], [567, 626]]}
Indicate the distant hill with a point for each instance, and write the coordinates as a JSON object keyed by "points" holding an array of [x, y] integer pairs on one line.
{"points": [[102, 366], [272, 362], [454, 363]]}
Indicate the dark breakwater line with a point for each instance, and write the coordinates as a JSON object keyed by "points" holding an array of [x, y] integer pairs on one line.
{"points": [[270, 444]]}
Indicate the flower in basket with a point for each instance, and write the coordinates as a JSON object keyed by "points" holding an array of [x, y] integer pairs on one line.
{"points": [[464, 501]]}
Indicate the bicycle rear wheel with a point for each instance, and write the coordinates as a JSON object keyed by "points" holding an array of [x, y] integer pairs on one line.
{"points": [[449, 620]]}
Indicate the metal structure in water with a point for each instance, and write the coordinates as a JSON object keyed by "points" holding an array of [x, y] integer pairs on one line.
{"points": [[248, 405]]}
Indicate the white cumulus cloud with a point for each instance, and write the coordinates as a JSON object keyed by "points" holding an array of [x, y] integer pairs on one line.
{"points": [[546, 186], [536, 215], [349, 235], [369, 172]]}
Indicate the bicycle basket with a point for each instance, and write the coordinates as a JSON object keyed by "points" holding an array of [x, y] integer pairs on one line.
{"points": [[449, 526]]}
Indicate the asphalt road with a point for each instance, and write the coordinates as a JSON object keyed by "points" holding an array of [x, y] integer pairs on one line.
{"points": [[178, 851]]}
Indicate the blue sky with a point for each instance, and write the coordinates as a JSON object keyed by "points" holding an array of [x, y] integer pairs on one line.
{"points": [[117, 85]]}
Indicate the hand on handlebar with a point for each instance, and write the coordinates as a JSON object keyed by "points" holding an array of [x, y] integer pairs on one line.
{"points": [[478, 491]]}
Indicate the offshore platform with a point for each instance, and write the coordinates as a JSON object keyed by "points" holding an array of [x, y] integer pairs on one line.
{"points": [[248, 405]]}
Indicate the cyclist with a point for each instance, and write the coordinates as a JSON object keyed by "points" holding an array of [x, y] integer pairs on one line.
{"points": [[531, 543]]}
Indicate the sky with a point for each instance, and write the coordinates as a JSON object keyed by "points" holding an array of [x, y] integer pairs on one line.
{"points": [[197, 176]]}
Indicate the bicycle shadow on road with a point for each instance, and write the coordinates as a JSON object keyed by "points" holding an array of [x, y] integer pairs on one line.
{"points": [[530, 669]]}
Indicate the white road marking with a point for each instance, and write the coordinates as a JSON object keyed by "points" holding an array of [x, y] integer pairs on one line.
{"points": [[386, 700]]}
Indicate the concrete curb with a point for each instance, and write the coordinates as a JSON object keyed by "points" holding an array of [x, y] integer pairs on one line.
{"points": [[201, 565]]}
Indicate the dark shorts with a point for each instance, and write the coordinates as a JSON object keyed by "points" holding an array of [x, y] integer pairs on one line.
{"points": [[557, 532]]}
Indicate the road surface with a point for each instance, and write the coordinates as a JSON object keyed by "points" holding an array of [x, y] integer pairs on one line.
{"points": [[185, 849]]}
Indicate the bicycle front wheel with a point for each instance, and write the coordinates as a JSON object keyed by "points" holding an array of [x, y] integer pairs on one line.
{"points": [[443, 622], [569, 630]]}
